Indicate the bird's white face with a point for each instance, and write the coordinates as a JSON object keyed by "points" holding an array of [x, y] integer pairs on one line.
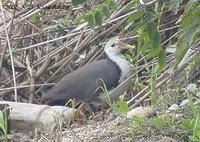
{"points": [[113, 50], [111, 47]]}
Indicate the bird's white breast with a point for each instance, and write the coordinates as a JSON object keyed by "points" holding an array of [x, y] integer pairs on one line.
{"points": [[123, 64]]}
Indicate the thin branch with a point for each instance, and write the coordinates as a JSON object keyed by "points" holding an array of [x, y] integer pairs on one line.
{"points": [[10, 50], [27, 86]]}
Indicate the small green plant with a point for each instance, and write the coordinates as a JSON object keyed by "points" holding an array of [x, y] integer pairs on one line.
{"points": [[107, 97], [72, 102], [36, 18], [161, 122], [4, 123], [192, 124], [73, 105], [120, 106], [98, 14], [189, 24]]}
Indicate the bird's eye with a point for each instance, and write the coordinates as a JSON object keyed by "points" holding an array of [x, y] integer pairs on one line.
{"points": [[113, 45]]}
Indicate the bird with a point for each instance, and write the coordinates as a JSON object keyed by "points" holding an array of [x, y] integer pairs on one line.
{"points": [[86, 83]]}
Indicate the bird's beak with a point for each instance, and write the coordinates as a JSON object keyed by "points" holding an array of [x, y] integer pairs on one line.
{"points": [[122, 46]]}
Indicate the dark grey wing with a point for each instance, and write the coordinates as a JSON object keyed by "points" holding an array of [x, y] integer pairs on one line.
{"points": [[83, 83]]}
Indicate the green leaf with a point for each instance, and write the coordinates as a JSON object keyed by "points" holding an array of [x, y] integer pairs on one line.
{"points": [[197, 134], [181, 50], [162, 59], [131, 4], [80, 18], [196, 11], [190, 27], [106, 11], [154, 52], [113, 5], [190, 31], [156, 40], [36, 18], [150, 16], [151, 30], [139, 27], [98, 18], [185, 41], [137, 119], [91, 20], [123, 106], [136, 15], [77, 2]]}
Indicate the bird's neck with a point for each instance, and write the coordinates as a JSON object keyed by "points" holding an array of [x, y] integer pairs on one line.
{"points": [[122, 63]]}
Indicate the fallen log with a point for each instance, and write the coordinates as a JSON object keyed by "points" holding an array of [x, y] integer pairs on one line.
{"points": [[26, 117]]}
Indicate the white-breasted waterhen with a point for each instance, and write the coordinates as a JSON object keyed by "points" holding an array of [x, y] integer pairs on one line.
{"points": [[85, 83]]}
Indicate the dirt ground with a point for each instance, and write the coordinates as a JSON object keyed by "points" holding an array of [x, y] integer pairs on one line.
{"points": [[113, 129]]}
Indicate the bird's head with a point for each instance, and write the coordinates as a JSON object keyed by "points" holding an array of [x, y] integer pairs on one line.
{"points": [[114, 47]]}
